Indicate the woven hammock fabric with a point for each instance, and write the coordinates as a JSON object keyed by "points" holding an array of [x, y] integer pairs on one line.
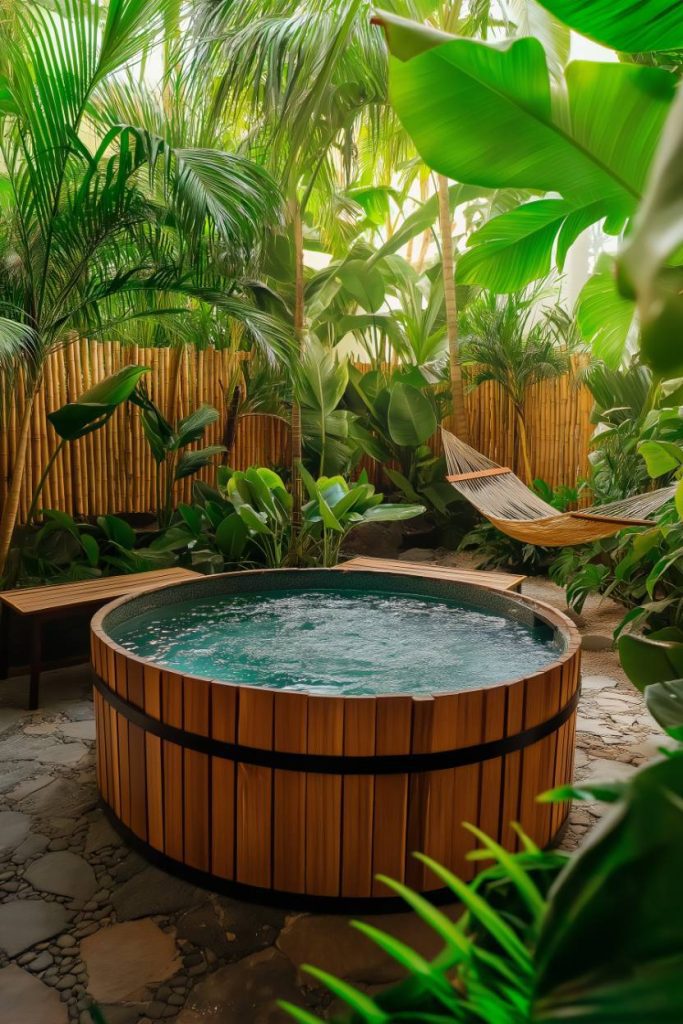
{"points": [[514, 509]]}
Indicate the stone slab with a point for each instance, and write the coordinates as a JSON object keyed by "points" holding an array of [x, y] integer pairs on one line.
{"points": [[14, 828], [62, 798], [64, 874], [82, 730], [41, 748], [23, 923], [244, 992], [101, 834], [26, 1000], [154, 892], [124, 959]]}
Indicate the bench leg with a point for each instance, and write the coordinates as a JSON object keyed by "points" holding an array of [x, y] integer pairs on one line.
{"points": [[36, 662], [4, 643]]}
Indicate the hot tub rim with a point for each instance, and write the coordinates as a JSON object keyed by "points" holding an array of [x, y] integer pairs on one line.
{"points": [[557, 620]]}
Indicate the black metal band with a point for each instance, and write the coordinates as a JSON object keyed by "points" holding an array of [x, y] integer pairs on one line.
{"points": [[332, 764], [277, 897]]}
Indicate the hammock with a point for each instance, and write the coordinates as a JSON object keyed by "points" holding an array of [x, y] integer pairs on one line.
{"points": [[506, 502]]}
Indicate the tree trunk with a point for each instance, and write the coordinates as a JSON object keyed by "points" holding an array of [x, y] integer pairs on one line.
{"points": [[174, 371], [297, 489], [524, 448], [451, 303], [11, 506]]}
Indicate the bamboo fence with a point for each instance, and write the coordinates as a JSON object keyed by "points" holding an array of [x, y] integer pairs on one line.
{"points": [[111, 470]]}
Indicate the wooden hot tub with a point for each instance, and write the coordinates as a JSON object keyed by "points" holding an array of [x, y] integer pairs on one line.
{"points": [[302, 799]]}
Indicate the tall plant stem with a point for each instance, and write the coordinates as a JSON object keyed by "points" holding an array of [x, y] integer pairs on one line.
{"points": [[297, 484], [451, 304], [41, 483], [175, 369], [9, 512], [524, 447]]}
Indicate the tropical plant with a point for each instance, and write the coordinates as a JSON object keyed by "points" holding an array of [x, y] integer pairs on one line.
{"points": [[306, 77], [91, 215], [166, 442], [262, 502], [89, 412], [517, 126], [321, 378], [63, 550], [503, 343], [336, 508], [541, 937]]}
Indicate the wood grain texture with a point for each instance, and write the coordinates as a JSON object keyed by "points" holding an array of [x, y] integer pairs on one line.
{"points": [[318, 834], [289, 794], [255, 790], [325, 735]]}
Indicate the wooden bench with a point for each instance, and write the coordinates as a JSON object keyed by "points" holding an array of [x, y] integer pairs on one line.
{"points": [[40, 604], [497, 580]]}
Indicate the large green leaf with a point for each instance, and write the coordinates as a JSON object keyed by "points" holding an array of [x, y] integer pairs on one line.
{"points": [[605, 318], [621, 894], [647, 659], [514, 248], [321, 378], [665, 704], [655, 242], [94, 407], [192, 427], [483, 114], [231, 537], [411, 417], [365, 284], [623, 24]]}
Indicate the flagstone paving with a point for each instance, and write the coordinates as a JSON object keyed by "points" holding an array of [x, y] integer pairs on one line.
{"points": [[81, 915]]}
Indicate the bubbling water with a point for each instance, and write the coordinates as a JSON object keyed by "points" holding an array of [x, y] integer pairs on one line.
{"points": [[346, 642]]}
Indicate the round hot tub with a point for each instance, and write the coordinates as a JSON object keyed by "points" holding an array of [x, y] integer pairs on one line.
{"points": [[288, 735]]}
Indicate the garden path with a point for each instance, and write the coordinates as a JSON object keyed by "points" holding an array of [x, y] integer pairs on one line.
{"points": [[82, 916]]}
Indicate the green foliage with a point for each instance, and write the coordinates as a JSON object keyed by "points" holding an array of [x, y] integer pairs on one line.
{"points": [[397, 414], [63, 550], [166, 443], [95, 407], [649, 25], [512, 132], [321, 378], [261, 501], [542, 937]]}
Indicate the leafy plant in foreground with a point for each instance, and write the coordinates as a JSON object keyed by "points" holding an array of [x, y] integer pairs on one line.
{"points": [[166, 443]]}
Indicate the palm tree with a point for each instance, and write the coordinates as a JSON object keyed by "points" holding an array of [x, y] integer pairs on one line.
{"points": [[308, 75], [98, 220], [505, 345]]}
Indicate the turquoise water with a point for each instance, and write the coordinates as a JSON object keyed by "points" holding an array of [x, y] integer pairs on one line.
{"points": [[339, 642]]}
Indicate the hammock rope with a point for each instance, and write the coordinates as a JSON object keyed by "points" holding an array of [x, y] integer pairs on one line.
{"points": [[512, 507]]}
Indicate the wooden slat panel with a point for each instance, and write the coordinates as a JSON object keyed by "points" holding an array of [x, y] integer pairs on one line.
{"points": [[512, 764], [394, 720], [492, 770], [155, 777], [467, 781], [254, 790], [289, 812], [323, 798], [360, 715], [223, 727], [432, 823], [197, 842], [172, 714]]}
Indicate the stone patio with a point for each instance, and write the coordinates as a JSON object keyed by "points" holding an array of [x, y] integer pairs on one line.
{"points": [[82, 916]]}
